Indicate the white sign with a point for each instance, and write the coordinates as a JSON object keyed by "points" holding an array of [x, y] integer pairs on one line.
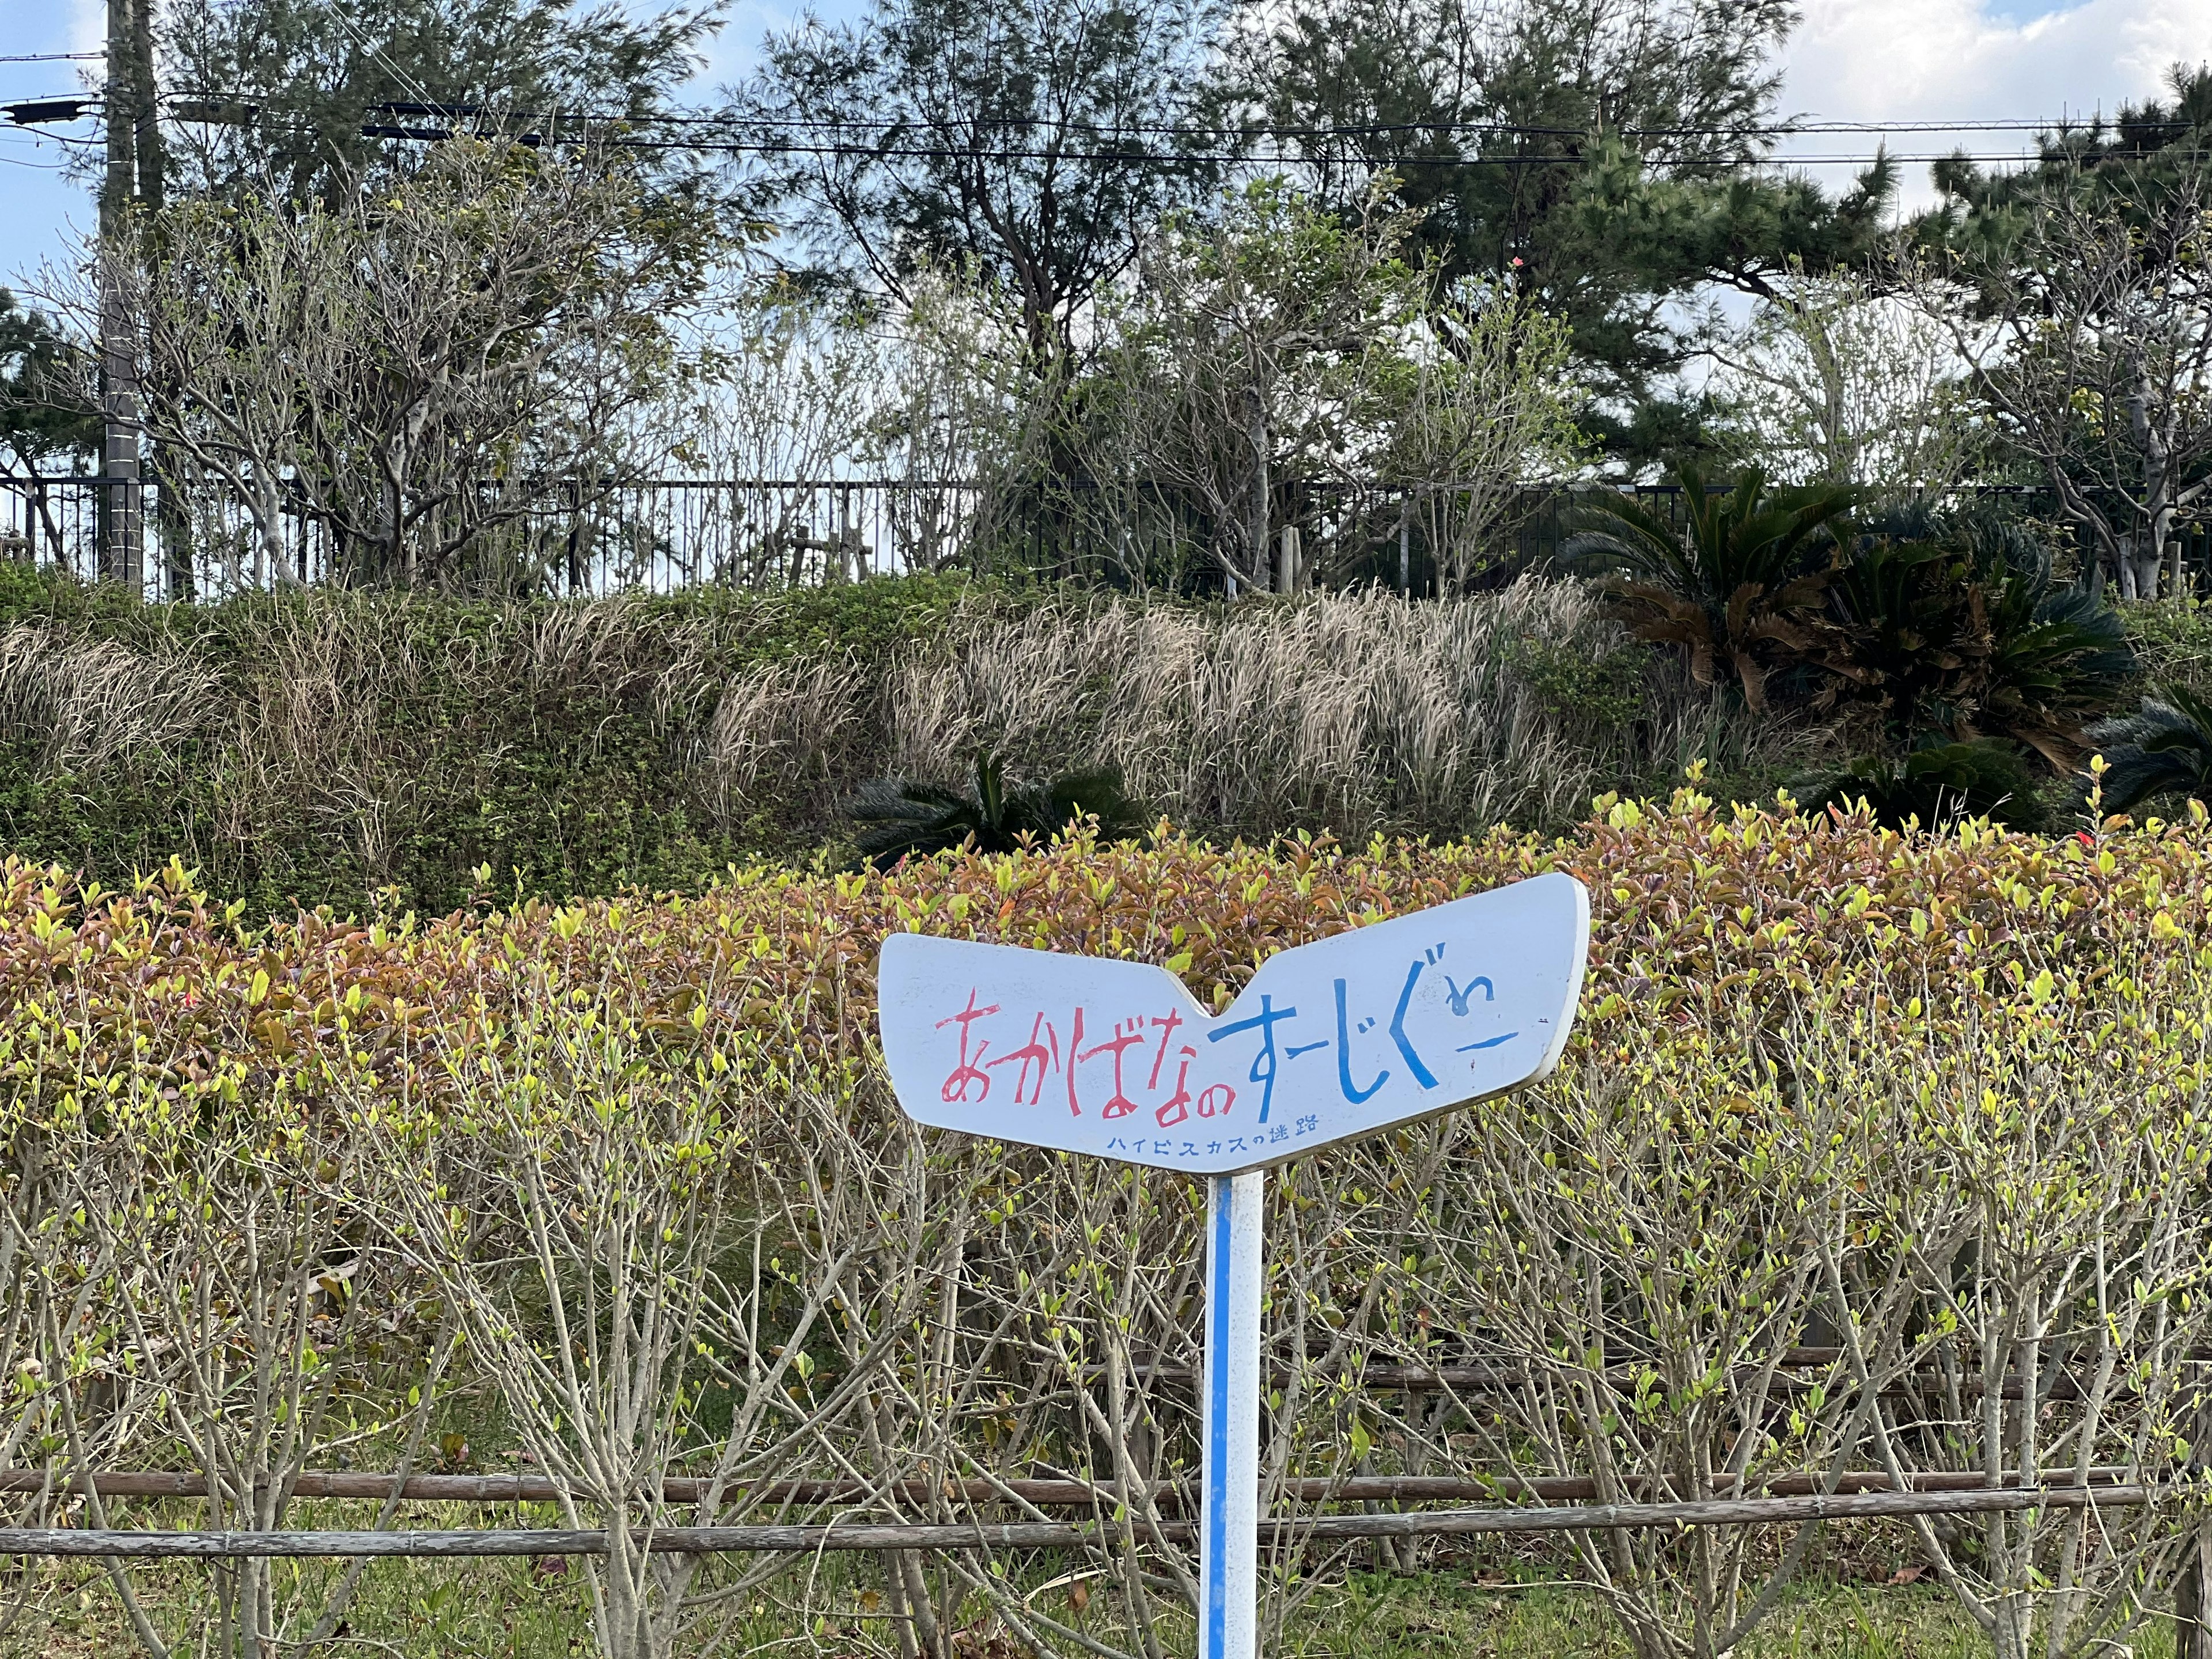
{"points": [[1377, 1026], [1373, 1027]]}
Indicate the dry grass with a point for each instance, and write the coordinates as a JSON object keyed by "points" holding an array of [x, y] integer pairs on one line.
{"points": [[88, 704], [1358, 713], [338, 713], [364, 739], [791, 733]]}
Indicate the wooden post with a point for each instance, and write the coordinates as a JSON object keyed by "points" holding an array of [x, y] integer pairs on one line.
{"points": [[2192, 1591]]}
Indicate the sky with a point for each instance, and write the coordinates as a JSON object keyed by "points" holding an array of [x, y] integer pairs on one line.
{"points": [[1851, 60]]}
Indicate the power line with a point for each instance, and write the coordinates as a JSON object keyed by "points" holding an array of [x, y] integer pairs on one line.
{"points": [[765, 136], [49, 57], [1283, 158], [2061, 125], [889, 150], [1129, 158]]}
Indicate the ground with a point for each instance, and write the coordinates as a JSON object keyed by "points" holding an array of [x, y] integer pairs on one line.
{"points": [[514, 1609]]}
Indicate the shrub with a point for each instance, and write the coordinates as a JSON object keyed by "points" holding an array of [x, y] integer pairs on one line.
{"points": [[1907, 635], [1861, 1133], [1735, 586], [320, 748]]}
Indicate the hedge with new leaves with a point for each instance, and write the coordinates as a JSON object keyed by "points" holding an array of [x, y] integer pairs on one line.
{"points": [[1938, 1093], [1700, 913]]}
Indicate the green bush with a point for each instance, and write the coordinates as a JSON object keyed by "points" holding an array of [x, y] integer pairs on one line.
{"points": [[2162, 752], [2173, 644], [319, 746], [1858, 1136], [323, 747]]}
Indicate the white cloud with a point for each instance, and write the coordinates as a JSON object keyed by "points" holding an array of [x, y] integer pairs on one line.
{"points": [[1930, 60]]}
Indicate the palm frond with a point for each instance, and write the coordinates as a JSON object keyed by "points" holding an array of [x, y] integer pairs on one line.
{"points": [[2162, 750], [900, 817]]}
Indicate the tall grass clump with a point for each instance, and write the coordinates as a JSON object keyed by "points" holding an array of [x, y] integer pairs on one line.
{"points": [[1354, 713], [328, 746], [323, 745]]}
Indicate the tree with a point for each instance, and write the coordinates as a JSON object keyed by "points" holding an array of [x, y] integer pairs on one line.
{"points": [[40, 418], [1595, 157], [1479, 408], [1834, 382], [2087, 326], [2140, 155], [960, 402], [407, 368], [1254, 350], [1033, 145], [784, 396], [44, 417], [307, 98], [1276, 346]]}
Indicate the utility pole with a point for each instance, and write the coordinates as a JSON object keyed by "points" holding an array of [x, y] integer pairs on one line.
{"points": [[122, 528]]}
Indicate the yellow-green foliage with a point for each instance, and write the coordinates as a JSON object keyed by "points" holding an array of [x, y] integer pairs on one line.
{"points": [[1698, 913], [1859, 1131]]}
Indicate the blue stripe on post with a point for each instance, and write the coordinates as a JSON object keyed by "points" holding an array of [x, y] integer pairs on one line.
{"points": [[1216, 1405]]}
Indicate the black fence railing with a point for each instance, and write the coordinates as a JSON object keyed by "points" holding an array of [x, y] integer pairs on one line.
{"points": [[574, 537], [595, 536]]}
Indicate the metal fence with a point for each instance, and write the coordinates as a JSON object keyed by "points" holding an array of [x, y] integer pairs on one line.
{"points": [[591, 537], [579, 537], [669, 534]]}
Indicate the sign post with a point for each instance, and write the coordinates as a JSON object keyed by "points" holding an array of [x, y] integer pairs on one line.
{"points": [[1385, 1024], [1229, 1501]]}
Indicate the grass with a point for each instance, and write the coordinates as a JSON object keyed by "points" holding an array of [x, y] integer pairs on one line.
{"points": [[326, 747], [1466, 1608], [1478, 1614]]}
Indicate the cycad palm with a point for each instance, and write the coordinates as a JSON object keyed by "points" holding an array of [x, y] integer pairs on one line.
{"points": [[900, 817], [1733, 586], [2164, 748]]}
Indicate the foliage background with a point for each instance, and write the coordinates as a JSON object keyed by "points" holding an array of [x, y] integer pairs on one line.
{"points": [[322, 747]]}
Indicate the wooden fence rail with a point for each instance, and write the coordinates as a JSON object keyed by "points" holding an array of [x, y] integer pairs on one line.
{"points": [[1044, 1494], [1055, 1534]]}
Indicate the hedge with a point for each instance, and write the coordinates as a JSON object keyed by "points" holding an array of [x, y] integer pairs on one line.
{"points": [[1722, 909], [313, 747], [1852, 1118]]}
